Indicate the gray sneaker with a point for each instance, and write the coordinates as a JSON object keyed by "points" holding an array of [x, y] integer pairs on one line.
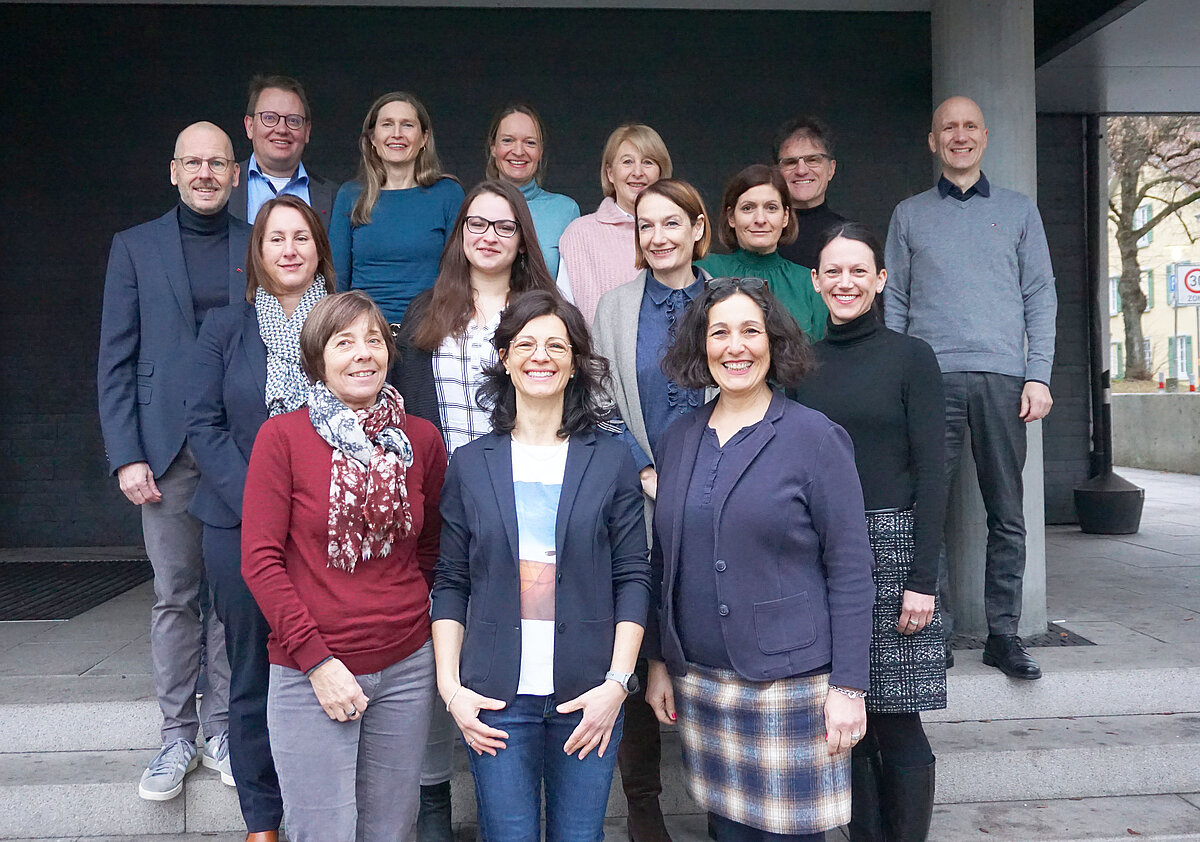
{"points": [[163, 778], [216, 756]]}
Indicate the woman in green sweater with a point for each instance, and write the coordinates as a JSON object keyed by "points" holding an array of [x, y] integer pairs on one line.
{"points": [[755, 220]]}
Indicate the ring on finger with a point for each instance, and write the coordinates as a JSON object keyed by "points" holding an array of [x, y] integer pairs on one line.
{"points": [[471, 741]]}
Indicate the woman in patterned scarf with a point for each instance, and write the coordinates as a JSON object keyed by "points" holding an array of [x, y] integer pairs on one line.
{"points": [[338, 547], [247, 367]]}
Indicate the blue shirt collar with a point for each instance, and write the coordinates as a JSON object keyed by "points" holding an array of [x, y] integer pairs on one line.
{"points": [[658, 291], [301, 175], [947, 188]]}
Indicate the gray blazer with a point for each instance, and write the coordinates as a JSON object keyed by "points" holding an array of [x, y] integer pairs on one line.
{"points": [[320, 194], [614, 334]]}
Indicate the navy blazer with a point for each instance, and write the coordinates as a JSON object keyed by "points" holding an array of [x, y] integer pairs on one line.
{"points": [[792, 561], [602, 576], [228, 405], [321, 192], [147, 334]]}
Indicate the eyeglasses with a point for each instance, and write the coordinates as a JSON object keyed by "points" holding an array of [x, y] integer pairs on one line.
{"points": [[810, 161], [526, 346], [270, 119], [503, 227], [217, 166], [739, 283]]}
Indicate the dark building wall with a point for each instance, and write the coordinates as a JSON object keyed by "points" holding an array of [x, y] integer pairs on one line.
{"points": [[94, 96], [1062, 201]]}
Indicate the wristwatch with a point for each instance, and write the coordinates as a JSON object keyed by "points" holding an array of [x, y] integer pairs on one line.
{"points": [[628, 680]]}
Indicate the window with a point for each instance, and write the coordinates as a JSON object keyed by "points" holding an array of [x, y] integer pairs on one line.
{"points": [[1140, 217], [1147, 284], [1179, 352], [1114, 296], [1148, 354], [1117, 360]]}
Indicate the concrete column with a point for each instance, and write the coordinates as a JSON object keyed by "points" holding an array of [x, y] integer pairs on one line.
{"points": [[984, 49]]}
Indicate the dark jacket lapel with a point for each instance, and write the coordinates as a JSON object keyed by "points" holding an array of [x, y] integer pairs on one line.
{"points": [[498, 456], [170, 246], [579, 453], [254, 349]]}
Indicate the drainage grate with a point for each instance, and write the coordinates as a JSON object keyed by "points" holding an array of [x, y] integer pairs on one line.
{"points": [[60, 590], [1055, 635]]}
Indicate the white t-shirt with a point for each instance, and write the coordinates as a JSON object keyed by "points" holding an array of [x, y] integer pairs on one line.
{"points": [[537, 484]]}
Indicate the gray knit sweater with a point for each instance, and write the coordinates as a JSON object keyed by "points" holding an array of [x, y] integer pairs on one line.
{"points": [[973, 279]]}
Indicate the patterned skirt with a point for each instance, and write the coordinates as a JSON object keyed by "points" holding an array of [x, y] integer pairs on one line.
{"points": [[908, 671], [755, 751]]}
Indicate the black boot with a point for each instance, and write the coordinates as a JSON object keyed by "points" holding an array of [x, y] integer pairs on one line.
{"points": [[866, 809], [639, 756], [908, 795], [433, 819]]}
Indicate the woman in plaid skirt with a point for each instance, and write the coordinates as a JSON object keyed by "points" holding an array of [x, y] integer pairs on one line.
{"points": [[886, 390], [762, 575]]}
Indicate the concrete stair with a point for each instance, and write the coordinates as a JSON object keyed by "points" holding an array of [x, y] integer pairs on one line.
{"points": [[1108, 741]]}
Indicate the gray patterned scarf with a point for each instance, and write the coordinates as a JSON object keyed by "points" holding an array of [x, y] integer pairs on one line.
{"points": [[287, 387]]}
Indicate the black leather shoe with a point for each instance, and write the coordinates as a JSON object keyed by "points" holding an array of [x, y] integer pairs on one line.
{"points": [[949, 656], [1007, 653]]}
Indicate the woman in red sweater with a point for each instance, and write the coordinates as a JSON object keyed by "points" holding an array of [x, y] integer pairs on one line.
{"points": [[339, 539]]}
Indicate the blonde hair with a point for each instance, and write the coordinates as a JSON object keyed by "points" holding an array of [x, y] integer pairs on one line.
{"points": [[645, 140], [373, 175]]}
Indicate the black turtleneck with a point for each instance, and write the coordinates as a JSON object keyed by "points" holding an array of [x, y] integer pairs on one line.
{"points": [[206, 256], [811, 223], [885, 389]]}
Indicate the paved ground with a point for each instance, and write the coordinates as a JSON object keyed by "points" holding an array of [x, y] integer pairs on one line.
{"points": [[1113, 590]]}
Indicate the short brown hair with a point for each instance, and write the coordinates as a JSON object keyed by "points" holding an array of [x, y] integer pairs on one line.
{"points": [[752, 176], [256, 272], [686, 361], [647, 141], [688, 199], [332, 314], [261, 82]]}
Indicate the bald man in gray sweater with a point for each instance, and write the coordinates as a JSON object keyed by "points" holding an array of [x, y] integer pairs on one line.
{"points": [[969, 272]]}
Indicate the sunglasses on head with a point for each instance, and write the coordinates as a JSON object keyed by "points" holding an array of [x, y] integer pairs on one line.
{"points": [[739, 283]]}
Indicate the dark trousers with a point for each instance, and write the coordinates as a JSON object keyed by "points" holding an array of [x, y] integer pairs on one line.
{"points": [[988, 404], [249, 676], [898, 738], [727, 830], [640, 753]]}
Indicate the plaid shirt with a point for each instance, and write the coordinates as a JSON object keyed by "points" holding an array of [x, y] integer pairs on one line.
{"points": [[458, 370]]}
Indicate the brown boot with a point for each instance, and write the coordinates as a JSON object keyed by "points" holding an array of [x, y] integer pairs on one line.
{"points": [[263, 836], [638, 756]]}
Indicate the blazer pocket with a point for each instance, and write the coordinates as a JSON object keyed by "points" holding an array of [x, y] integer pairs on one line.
{"points": [[145, 369], [782, 625], [478, 652]]}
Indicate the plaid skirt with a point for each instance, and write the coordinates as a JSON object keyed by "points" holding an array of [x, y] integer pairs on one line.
{"points": [[755, 751], [908, 671]]}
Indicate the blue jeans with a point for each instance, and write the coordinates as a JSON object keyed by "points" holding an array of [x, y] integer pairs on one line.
{"points": [[508, 787]]}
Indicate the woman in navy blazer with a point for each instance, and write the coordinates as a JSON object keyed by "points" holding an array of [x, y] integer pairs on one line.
{"points": [[542, 584], [237, 385], [763, 572]]}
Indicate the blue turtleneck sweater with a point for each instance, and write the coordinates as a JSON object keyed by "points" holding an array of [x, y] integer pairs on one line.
{"points": [[551, 212]]}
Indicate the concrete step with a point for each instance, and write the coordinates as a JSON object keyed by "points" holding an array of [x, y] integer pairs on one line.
{"points": [[1161, 818], [94, 793]]}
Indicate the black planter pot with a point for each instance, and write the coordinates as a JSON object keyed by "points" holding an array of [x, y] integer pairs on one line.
{"points": [[1109, 505]]}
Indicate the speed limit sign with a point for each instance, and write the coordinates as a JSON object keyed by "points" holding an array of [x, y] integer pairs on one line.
{"points": [[1187, 285]]}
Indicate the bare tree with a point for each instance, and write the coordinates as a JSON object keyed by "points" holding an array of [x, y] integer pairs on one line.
{"points": [[1150, 158]]}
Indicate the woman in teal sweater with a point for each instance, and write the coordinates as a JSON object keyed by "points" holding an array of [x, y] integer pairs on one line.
{"points": [[755, 219], [390, 226], [516, 152]]}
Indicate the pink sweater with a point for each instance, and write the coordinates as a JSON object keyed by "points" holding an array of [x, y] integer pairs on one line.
{"points": [[598, 252]]}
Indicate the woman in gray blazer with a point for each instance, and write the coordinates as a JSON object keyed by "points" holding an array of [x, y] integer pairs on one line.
{"points": [[634, 326]]}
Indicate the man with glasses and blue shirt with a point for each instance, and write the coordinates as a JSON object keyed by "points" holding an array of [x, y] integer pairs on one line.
{"points": [[163, 277], [278, 124]]}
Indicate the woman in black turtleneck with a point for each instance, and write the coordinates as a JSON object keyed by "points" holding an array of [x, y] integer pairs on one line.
{"points": [[885, 390]]}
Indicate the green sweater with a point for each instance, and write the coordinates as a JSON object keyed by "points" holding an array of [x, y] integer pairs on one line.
{"points": [[790, 282]]}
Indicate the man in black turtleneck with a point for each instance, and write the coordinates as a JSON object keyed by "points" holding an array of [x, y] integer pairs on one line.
{"points": [[804, 153], [163, 277]]}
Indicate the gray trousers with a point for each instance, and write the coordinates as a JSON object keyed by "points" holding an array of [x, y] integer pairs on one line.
{"points": [[173, 543], [988, 404], [438, 766], [356, 781]]}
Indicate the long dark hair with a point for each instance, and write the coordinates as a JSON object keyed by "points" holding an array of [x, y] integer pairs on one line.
{"points": [[585, 401], [453, 302], [686, 361]]}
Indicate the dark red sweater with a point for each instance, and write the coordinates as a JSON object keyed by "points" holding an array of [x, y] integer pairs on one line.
{"points": [[369, 619]]}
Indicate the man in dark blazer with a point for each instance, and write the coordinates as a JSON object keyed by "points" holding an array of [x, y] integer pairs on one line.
{"points": [[278, 124], [163, 277]]}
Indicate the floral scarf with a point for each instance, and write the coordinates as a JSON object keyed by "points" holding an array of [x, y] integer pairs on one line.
{"points": [[368, 492]]}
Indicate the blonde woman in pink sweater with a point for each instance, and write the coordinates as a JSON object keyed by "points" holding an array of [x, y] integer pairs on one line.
{"points": [[597, 250]]}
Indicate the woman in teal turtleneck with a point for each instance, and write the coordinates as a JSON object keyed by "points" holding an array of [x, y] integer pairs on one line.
{"points": [[516, 153], [755, 220]]}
